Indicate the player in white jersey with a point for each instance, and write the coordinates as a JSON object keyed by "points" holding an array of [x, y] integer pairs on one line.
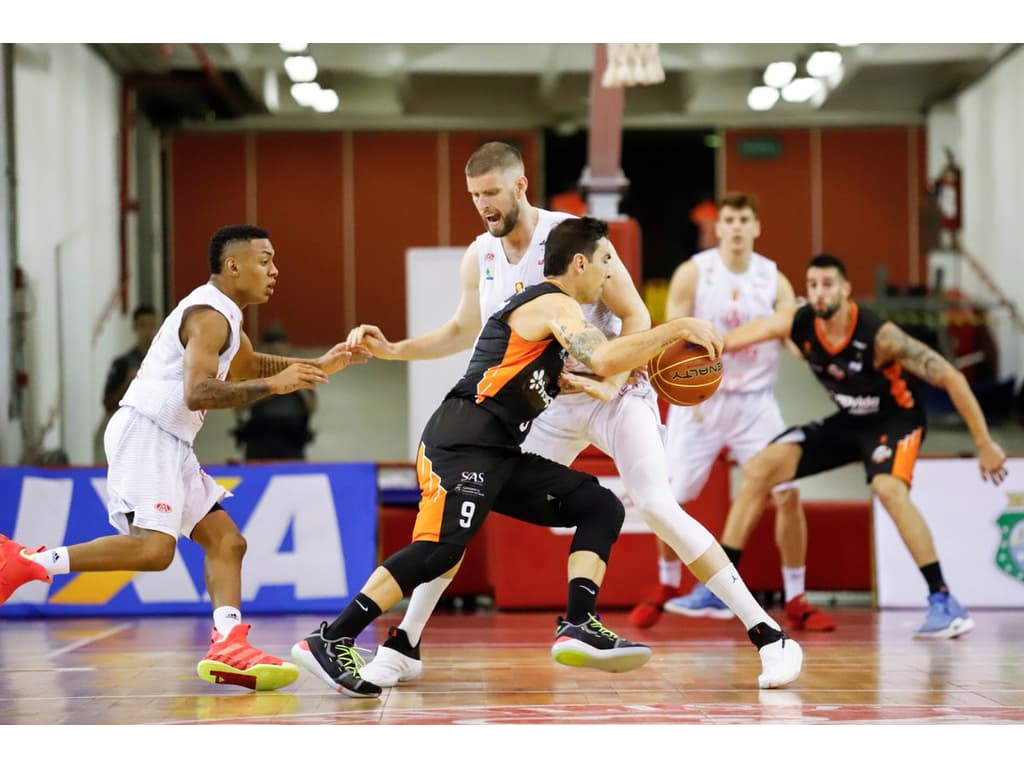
{"points": [[619, 415], [199, 359], [730, 285]]}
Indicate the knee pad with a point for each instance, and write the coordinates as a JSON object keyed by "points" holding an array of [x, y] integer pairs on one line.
{"points": [[420, 562], [598, 515]]}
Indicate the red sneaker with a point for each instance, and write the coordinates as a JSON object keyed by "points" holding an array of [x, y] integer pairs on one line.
{"points": [[17, 568], [647, 612], [801, 614], [232, 660]]}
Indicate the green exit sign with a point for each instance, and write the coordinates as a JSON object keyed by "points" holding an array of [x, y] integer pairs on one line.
{"points": [[761, 147]]}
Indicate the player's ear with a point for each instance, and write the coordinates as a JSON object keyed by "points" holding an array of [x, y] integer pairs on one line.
{"points": [[520, 186]]}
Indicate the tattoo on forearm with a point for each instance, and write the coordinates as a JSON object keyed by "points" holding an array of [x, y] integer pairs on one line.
{"points": [[268, 365], [582, 345], [214, 393], [917, 358]]}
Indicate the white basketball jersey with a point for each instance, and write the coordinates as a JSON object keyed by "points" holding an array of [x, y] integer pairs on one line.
{"points": [[729, 299], [499, 279], [158, 390]]}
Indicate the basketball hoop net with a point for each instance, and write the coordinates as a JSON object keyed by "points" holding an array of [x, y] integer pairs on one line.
{"points": [[632, 64]]}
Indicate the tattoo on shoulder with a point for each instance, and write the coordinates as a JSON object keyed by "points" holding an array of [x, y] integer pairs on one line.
{"points": [[581, 345], [916, 357]]}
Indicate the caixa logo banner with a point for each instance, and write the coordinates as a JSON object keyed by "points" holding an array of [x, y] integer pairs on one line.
{"points": [[311, 531]]}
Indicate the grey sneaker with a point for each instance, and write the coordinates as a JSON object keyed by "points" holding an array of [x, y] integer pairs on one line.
{"points": [[336, 662], [592, 644]]}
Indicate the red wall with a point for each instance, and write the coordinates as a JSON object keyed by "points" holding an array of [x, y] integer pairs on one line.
{"points": [[341, 209], [854, 192]]}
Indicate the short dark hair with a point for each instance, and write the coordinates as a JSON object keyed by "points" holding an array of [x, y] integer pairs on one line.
{"points": [[493, 156], [739, 200], [568, 238], [232, 233], [826, 260], [142, 309]]}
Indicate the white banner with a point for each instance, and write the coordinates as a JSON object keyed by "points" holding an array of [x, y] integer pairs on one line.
{"points": [[432, 291], [978, 529]]}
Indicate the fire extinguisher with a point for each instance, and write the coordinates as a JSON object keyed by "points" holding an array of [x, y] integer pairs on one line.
{"points": [[948, 196]]}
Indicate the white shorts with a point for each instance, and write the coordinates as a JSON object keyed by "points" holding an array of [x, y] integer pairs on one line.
{"points": [[572, 422], [155, 476], [695, 435]]}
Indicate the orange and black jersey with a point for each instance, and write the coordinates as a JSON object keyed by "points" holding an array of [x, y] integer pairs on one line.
{"points": [[508, 376], [847, 370]]}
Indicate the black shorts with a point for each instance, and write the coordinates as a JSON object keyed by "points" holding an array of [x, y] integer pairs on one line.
{"points": [[460, 483], [886, 446]]}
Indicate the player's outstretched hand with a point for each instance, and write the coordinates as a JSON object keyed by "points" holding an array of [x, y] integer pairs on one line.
{"points": [[370, 340], [297, 376], [992, 460], [340, 356]]}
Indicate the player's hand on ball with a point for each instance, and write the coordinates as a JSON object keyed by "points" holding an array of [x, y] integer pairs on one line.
{"points": [[701, 332]]}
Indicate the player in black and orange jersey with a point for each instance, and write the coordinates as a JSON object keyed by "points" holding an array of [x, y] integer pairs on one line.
{"points": [[470, 461], [863, 362]]}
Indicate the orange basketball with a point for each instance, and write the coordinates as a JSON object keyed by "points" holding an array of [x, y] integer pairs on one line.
{"points": [[683, 374]]}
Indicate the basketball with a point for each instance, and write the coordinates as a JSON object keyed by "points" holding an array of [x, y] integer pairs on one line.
{"points": [[683, 374]]}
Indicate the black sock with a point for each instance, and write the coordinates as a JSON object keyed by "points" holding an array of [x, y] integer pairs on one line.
{"points": [[356, 617], [582, 600], [933, 575], [732, 554], [762, 634]]}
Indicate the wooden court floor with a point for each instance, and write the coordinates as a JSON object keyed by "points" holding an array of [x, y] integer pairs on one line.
{"points": [[495, 668]]}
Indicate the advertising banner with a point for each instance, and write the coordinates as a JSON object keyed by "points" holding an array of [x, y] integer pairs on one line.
{"points": [[311, 531], [978, 529]]}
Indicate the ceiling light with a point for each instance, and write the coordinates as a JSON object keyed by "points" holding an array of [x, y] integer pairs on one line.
{"points": [[305, 93], [292, 47], [824, 63], [326, 100], [779, 73], [762, 97], [802, 89], [300, 69]]}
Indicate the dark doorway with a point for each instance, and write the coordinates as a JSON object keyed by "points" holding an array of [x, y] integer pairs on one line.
{"points": [[669, 173]]}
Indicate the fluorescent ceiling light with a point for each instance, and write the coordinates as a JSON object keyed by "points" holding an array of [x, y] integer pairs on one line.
{"points": [[300, 69], [779, 73], [326, 100], [802, 89], [824, 63], [762, 97], [305, 93]]}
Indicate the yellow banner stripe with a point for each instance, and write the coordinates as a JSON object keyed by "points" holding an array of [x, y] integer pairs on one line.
{"points": [[100, 587], [93, 588]]}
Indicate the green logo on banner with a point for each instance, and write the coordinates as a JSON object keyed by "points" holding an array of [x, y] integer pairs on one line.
{"points": [[1010, 557]]}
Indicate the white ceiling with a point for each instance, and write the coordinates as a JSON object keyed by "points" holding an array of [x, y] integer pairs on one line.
{"points": [[516, 85]]}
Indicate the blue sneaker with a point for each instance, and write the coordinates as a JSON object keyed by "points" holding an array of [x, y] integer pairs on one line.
{"points": [[701, 602], [946, 617]]}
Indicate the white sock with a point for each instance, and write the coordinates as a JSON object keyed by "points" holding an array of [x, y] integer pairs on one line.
{"points": [[225, 618], [730, 589], [54, 560], [421, 604], [793, 581], [670, 572]]}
